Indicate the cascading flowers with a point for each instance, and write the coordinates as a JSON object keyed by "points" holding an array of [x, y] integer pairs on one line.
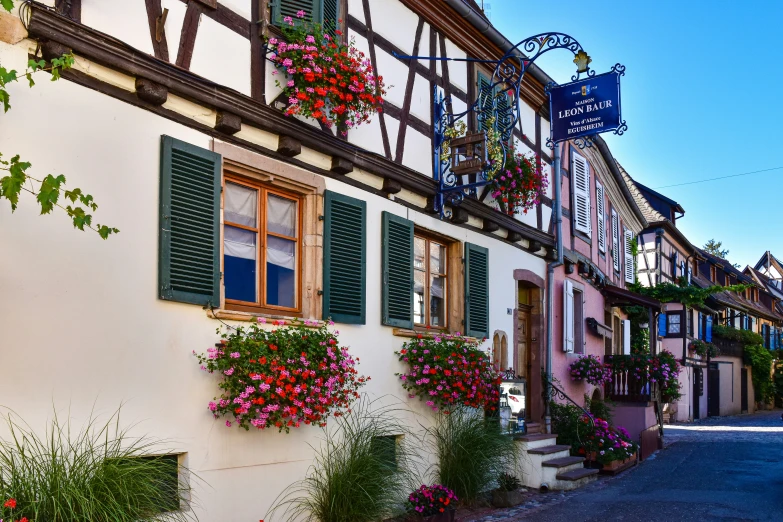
{"points": [[283, 377], [590, 369], [327, 80], [662, 368], [520, 185], [446, 371]]}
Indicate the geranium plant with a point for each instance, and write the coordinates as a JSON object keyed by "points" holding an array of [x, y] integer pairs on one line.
{"points": [[662, 368], [431, 500], [449, 370], [520, 185], [282, 377], [703, 348], [326, 79], [591, 369], [608, 443]]}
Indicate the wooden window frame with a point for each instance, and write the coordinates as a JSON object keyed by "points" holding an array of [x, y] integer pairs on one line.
{"points": [[446, 244], [678, 313], [264, 189]]}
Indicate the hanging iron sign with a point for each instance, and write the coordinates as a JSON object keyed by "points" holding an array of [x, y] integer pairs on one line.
{"points": [[586, 107]]}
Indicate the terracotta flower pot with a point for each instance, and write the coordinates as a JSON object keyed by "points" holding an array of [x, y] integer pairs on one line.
{"points": [[504, 499]]}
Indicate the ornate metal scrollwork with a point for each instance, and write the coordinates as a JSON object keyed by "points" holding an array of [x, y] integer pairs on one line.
{"points": [[506, 78]]}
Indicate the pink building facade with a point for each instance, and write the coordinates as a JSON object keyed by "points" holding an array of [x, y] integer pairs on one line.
{"points": [[601, 222]]}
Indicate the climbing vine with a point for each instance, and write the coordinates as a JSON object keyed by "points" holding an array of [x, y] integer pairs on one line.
{"points": [[50, 191]]}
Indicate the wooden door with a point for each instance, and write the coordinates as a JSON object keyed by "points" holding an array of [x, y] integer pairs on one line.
{"points": [[744, 389], [523, 347], [713, 392]]}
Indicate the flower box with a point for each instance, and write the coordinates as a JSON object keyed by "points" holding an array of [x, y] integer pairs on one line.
{"points": [[614, 466], [446, 516]]}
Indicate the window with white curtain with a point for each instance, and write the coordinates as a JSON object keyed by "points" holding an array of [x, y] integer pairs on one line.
{"points": [[261, 235]]}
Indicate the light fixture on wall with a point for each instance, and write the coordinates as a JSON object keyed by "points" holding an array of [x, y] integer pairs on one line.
{"points": [[644, 326]]}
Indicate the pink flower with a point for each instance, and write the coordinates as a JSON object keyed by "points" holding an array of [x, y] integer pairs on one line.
{"points": [[300, 14], [228, 423], [288, 19]]}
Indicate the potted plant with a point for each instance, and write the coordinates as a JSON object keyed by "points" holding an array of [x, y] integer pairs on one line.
{"points": [[508, 493], [326, 79], [434, 503], [590, 369]]}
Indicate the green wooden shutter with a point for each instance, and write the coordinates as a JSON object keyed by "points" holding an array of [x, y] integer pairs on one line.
{"points": [[345, 257], [189, 249], [330, 13], [283, 8], [486, 101], [476, 291], [397, 271]]}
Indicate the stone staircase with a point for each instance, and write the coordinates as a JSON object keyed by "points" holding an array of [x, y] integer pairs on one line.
{"points": [[543, 461]]}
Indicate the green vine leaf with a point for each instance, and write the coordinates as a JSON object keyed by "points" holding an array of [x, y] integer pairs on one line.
{"points": [[105, 231], [8, 5], [11, 185], [49, 192]]}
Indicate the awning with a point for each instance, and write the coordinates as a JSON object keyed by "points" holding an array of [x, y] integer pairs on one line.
{"points": [[599, 328], [617, 296]]}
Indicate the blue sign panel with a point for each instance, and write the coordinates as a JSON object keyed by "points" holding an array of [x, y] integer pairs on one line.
{"points": [[585, 107]]}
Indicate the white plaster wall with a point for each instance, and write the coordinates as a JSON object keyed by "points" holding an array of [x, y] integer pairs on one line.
{"points": [[84, 330], [241, 7], [458, 71], [395, 22], [528, 118], [356, 9], [418, 152], [420, 99], [126, 21], [221, 55]]}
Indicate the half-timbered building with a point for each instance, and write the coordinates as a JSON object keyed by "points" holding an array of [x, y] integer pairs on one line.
{"points": [[230, 211]]}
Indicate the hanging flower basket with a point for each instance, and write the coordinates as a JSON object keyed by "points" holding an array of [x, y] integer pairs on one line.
{"points": [[281, 378], [326, 80], [590, 368], [447, 371], [520, 185], [704, 349]]}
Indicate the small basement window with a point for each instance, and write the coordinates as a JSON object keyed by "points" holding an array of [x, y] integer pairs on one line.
{"points": [[385, 447]]}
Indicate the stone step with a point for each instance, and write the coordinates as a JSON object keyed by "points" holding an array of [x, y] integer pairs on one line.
{"points": [[536, 436], [548, 450], [562, 462], [577, 474], [534, 427]]}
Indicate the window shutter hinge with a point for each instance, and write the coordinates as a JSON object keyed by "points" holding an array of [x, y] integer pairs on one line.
{"points": [[320, 218], [320, 292]]}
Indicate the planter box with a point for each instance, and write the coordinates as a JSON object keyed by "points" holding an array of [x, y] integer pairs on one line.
{"points": [[506, 499], [614, 466]]}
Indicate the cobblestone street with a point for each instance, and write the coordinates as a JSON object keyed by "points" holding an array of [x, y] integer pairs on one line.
{"points": [[721, 468]]}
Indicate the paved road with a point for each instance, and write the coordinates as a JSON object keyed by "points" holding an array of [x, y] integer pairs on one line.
{"points": [[721, 469]]}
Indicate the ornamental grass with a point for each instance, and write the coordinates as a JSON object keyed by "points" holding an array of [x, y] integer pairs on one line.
{"points": [[96, 474], [362, 471], [472, 450]]}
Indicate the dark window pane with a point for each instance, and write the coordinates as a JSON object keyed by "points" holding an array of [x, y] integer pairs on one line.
{"points": [[280, 272], [437, 301], [240, 265]]}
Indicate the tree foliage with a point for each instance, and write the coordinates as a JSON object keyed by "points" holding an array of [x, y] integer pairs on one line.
{"points": [[690, 295], [50, 191], [714, 248]]}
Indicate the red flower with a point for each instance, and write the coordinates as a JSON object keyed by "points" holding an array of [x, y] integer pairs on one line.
{"points": [[10, 503]]}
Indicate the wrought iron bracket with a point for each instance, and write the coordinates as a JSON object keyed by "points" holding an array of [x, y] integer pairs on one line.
{"points": [[507, 77]]}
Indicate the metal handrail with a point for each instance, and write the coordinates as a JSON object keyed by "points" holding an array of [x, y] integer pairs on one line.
{"points": [[551, 391]]}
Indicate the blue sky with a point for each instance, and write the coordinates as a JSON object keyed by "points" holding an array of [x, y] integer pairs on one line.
{"points": [[702, 95]]}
